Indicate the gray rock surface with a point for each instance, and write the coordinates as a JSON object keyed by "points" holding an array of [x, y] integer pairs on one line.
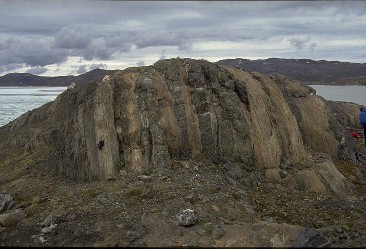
{"points": [[50, 220], [6, 202], [187, 217], [48, 229], [309, 237], [12, 218]]}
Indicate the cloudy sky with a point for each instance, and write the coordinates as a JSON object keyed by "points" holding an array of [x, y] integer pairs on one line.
{"points": [[72, 37]]}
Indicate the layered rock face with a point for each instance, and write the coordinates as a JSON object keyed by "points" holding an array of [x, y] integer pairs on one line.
{"points": [[177, 109], [321, 122]]}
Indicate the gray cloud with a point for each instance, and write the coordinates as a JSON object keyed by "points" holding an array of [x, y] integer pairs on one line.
{"points": [[312, 46], [28, 51], [86, 67], [9, 67], [78, 36], [41, 33], [99, 65], [81, 69], [97, 49], [140, 63], [299, 43], [303, 43], [37, 70], [162, 55]]}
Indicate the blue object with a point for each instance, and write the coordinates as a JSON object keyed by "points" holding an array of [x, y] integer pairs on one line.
{"points": [[362, 117]]}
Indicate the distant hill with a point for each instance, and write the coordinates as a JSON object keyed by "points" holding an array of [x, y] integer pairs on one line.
{"points": [[304, 70], [352, 81], [307, 71], [26, 79]]}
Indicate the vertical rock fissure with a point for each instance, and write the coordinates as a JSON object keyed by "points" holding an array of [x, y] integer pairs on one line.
{"points": [[176, 91], [105, 130], [153, 141]]}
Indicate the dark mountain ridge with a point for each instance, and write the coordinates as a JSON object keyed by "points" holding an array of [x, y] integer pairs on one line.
{"points": [[305, 70], [26, 79]]}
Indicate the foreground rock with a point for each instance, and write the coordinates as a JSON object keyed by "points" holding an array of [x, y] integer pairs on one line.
{"points": [[187, 217], [12, 218], [6, 202]]}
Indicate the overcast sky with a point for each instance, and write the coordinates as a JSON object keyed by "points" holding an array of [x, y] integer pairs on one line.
{"points": [[72, 37]]}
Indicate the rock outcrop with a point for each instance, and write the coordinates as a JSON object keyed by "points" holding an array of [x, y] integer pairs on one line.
{"points": [[182, 153], [182, 109], [6, 202]]}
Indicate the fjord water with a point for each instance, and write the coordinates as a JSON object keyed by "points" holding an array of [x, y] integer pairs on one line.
{"points": [[355, 94], [15, 101]]}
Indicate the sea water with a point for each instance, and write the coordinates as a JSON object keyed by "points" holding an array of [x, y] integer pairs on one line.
{"points": [[15, 101], [355, 94]]}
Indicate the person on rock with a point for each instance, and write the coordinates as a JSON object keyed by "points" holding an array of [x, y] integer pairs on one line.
{"points": [[100, 144], [362, 117]]}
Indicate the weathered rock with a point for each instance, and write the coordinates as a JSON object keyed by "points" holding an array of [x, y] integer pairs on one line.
{"points": [[144, 178], [12, 218], [283, 173], [283, 166], [49, 229], [321, 122], [309, 237], [6, 202], [66, 218], [50, 220], [217, 232], [334, 179], [183, 109], [71, 86], [187, 217], [346, 149], [39, 238], [281, 142], [175, 109]]}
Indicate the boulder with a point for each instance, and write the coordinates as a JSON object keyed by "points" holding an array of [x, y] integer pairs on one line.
{"points": [[71, 86], [187, 217], [50, 220], [38, 238], [12, 218], [6, 202], [309, 237], [49, 229]]}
